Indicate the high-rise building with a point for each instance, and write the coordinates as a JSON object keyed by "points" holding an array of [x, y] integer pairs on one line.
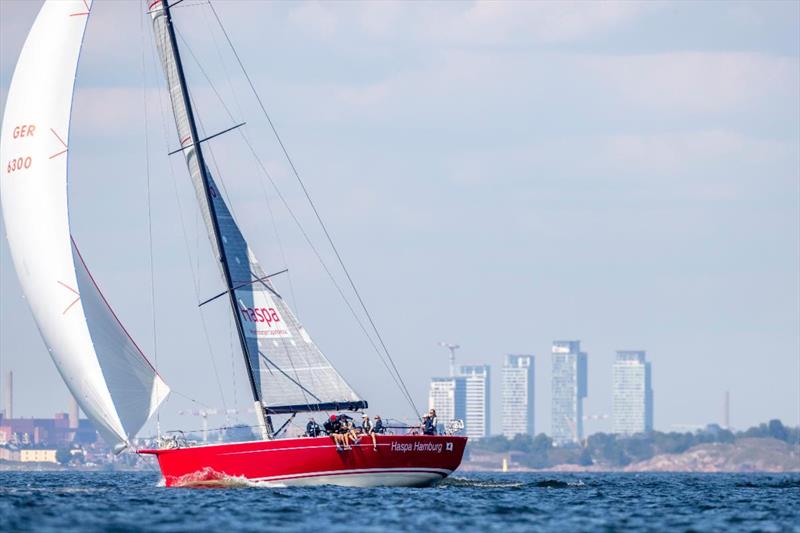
{"points": [[8, 396], [518, 389], [569, 388], [477, 423], [449, 397], [633, 394]]}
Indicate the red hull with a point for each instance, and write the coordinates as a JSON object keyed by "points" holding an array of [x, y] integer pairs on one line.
{"points": [[400, 460]]}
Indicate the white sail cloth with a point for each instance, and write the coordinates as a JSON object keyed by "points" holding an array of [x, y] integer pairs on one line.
{"points": [[105, 371], [288, 368]]}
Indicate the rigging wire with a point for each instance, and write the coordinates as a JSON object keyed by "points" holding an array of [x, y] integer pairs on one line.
{"points": [[237, 103], [314, 209], [393, 374], [233, 364], [286, 205], [220, 178], [149, 209], [195, 274]]}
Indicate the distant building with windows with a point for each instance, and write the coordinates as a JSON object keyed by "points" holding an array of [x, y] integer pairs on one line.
{"points": [[477, 422], [633, 393], [56, 431], [569, 388], [449, 397], [518, 395], [37, 455]]}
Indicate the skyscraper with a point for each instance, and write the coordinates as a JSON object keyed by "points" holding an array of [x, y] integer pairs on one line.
{"points": [[569, 388], [8, 396], [633, 394], [449, 397], [477, 422], [518, 395]]}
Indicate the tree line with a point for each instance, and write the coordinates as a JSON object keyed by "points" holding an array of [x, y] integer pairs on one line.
{"points": [[621, 450]]}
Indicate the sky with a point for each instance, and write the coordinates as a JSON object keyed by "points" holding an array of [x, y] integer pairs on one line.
{"points": [[496, 175]]}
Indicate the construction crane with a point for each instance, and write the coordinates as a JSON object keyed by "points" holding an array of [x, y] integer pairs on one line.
{"points": [[452, 348], [205, 413]]}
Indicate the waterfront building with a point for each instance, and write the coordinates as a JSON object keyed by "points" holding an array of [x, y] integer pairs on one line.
{"points": [[449, 397], [633, 393], [477, 422], [37, 455], [56, 431], [9, 453], [569, 388], [518, 395]]}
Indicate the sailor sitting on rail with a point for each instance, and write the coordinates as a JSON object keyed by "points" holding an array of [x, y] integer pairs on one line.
{"points": [[332, 427], [348, 430], [379, 427], [368, 429]]}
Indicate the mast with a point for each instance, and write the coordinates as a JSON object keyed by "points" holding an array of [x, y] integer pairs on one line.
{"points": [[263, 419]]}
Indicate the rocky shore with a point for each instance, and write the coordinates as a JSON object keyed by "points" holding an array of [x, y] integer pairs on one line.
{"points": [[744, 455]]}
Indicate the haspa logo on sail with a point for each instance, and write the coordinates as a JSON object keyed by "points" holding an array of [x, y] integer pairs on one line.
{"points": [[262, 320], [268, 315]]}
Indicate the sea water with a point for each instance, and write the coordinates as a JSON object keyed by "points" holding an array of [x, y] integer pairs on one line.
{"points": [[138, 501]]}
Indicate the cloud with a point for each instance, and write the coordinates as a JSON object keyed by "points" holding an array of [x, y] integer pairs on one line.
{"points": [[576, 90], [696, 81], [316, 18], [465, 23], [710, 164], [501, 23]]}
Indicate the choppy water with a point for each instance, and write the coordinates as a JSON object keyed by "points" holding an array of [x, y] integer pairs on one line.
{"points": [[95, 501]]}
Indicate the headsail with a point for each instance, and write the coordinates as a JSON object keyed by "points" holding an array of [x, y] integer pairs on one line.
{"points": [[105, 371], [289, 372]]}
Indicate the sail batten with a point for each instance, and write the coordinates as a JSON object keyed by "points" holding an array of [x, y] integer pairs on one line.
{"points": [[107, 374], [285, 366]]}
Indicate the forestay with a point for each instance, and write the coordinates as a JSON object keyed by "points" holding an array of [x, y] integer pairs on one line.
{"points": [[104, 369], [290, 373]]}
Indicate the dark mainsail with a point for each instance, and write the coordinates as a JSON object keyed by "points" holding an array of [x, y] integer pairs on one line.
{"points": [[288, 373]]}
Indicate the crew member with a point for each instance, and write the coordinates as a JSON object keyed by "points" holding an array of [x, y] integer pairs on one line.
{"points": [[367, 429], [333, 428], [347, 430], [428, 425], [313, 429], [378, 427]]}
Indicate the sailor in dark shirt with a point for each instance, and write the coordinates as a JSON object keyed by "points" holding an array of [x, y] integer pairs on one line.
{"points": [[378, 427], [313, 429], [428, 427], [347, 430], [332, 428]]}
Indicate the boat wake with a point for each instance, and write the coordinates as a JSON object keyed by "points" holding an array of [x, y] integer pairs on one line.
{"points": [[462, 482], [557, 484], [208, 478]]}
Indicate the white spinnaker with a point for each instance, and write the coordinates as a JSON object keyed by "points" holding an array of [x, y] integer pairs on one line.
{"points": [[106, 372]]}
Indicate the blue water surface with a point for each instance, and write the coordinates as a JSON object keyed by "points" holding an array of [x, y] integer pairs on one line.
{"points": [[135, 501]]}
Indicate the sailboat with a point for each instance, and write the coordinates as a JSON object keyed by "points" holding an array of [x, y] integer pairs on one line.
{"points": [[103, 367]]}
